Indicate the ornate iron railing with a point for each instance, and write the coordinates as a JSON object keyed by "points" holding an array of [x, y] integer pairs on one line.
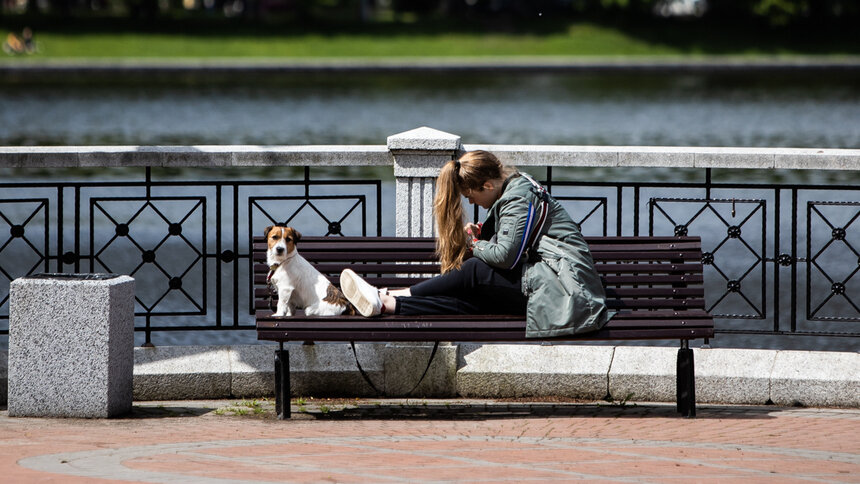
{"points": [[781, 259], [185, 242], [755, 268]]}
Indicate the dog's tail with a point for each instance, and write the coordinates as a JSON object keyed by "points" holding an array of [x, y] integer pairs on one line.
{"points": [[336, 297]]}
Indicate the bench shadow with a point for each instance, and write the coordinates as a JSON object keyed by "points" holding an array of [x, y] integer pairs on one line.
{"points": [[139, 412], [473, 411]]}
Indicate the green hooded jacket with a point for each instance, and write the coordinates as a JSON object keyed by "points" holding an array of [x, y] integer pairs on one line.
{"points": [[565, 294]]}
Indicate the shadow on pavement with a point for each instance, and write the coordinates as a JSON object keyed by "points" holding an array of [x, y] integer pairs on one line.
{"points": [[472, 411]]}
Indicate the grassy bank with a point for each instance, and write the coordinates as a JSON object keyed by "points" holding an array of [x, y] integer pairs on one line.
{"points": [[122, 39]]}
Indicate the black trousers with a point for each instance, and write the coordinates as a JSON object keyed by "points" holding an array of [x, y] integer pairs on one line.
{"points": [[476, 288]]}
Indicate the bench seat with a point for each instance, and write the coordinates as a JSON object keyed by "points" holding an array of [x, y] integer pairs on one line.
{"points": [[655, 284]]}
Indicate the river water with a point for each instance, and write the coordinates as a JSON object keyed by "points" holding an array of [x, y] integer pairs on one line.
{"points": [[818, 109]]}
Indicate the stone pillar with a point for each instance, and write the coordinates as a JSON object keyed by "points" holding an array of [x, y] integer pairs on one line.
{"points": [[71, 345], [418, 156]]}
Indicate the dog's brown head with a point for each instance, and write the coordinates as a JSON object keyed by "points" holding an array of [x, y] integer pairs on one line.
{"points": [[281, 241]]}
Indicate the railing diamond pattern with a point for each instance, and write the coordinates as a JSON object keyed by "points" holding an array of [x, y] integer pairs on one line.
{"points": [[833, 287]]}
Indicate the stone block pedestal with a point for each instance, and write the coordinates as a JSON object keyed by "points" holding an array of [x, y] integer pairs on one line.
{"points": [[71, 345]]}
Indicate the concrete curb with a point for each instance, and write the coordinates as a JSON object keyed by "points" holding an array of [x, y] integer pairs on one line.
{"points": [[620, 373], [447, 64]]}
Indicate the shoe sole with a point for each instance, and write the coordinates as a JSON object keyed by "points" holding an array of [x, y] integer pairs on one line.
{"points": [[350, 289]]}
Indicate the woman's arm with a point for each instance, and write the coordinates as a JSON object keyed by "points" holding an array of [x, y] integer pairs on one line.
{"points": [[517, 219]]}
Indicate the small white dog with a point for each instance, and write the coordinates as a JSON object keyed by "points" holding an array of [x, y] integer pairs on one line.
{"points": [[299, 284]]}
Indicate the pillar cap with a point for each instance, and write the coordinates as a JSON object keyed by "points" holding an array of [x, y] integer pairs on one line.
{"points": [[424, 139]]}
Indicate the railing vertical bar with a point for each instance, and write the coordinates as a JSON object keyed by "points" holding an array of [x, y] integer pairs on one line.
{"points": [[250, 205], [636, 211], [764, 260], [78, 255], [148, 183], [605, 216], [795, 258], [707, 183], [651, 217], [363, 200], [619, 204], [236, 254], [549, 179], [204, 251], [776, 248], [148, 189], [60, 205], [378, 208], [218, 240]]}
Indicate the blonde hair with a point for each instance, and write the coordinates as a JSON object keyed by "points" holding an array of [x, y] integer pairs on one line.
{"points": [[470, 172]]}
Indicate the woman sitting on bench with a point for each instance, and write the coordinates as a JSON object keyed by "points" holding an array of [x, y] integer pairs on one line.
{"points": [[528, 257]]}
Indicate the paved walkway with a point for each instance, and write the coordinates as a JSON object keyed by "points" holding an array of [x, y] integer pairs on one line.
{"points": [[435, 441]]}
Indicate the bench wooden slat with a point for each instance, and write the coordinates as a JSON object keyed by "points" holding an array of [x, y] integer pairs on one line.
{"points": [[425, 268], [263, 303], [645, 246], [323, 325], [608, 280], [655, 303], [430, 256], [623, 314], [622, 292], [629, 292], [650, 256], [488, 336], [592, 240], [328, 268], [640, 279], [663, 313]]}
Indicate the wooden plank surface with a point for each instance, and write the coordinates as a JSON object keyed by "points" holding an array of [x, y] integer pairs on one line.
{"points": [[655, 283]]}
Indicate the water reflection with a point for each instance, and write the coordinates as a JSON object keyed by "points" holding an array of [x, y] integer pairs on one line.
{"points": [[797, 110]]}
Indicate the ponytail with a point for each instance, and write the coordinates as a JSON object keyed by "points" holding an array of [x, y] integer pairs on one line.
{"points": [[469, 172], [448, 211]]}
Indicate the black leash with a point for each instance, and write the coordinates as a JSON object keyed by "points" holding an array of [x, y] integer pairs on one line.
{"points": [[367, 377]]}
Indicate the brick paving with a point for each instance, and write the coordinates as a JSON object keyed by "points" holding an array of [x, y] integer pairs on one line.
{"points": [[435, 441]]}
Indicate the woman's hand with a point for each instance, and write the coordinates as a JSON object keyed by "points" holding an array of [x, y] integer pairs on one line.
{"points": [[472, 230]]}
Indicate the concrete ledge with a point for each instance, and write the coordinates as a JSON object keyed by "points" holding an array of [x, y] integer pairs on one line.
{"points": [[723, 376], [816, 379], [734, 375], [643, 373], [181, 372], [499, 371], [189, 372]]}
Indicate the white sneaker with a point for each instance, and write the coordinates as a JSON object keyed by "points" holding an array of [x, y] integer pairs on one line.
{"points": [[362, 295]]}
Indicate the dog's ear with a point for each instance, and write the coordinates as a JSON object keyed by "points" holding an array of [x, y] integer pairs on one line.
{"points": [[296, 235], [268, 229]]}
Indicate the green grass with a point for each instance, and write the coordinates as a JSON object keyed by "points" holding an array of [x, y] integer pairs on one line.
{"points": [[581, 40], [430, 39]]}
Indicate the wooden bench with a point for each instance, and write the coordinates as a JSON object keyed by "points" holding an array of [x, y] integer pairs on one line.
{"points": [[654, 283]]}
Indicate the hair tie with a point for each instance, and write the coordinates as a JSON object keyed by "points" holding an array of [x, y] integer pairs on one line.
{"points": [[457, 165]]}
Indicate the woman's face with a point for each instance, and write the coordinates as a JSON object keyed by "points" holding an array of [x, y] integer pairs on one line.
{"points": [[484, 196]]}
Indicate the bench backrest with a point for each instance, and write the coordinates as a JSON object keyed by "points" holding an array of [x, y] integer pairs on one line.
{"points": [[639, 273]]}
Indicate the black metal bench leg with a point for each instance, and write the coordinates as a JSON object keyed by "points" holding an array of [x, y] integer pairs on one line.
{"points": [[686, 380], [282, 383]]}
